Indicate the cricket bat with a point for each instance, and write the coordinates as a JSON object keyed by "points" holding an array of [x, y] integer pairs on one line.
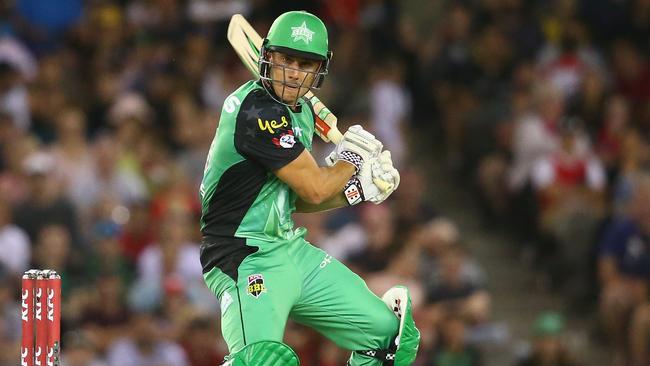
{"points": [[247, 44]]}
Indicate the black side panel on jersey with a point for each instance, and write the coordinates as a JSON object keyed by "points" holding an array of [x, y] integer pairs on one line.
{"points": [[234, 195]]}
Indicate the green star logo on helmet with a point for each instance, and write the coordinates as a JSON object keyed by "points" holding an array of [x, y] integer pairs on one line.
{"points": [[302, 33]]}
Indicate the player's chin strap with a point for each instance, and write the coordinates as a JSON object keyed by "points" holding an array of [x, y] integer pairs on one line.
{"points": [[404, 348]]}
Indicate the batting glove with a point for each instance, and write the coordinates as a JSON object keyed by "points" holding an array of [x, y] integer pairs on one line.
{"points": [[357, 147], [362, 187]]}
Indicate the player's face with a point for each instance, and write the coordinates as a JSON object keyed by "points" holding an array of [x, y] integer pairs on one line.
{"points": [[292, 76]]}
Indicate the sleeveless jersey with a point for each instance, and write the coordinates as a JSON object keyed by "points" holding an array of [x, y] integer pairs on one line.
{"points": [[242, 201]]}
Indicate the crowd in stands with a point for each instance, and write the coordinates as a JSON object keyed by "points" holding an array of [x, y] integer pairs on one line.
{"points": [[540, 109]]}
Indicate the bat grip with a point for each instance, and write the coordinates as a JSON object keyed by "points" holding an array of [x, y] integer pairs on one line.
{"points": [[382, 185]]}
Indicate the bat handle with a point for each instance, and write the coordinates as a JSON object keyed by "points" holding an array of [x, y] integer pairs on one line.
{"points": [[335, 135], [326, 120], [382, 184]]}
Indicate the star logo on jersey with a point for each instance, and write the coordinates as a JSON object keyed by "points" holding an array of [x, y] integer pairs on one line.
{"points": [[285, 141], [297, 131], [302, 33], [256, 285], [252, 112]]}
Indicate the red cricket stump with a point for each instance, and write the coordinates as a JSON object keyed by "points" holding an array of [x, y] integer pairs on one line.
{"points": [[27, 318], [41, 318], [53, 318]]}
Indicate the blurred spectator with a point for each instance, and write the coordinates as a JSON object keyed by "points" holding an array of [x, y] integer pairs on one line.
{"points": [[137, 233], [78, 350], [202, 344], [74, 159], [10, 323], [631, 72], [570, 184], [589, 102], [390, 107], [143, 346], [624, 267], [106, 255], [173, 255], [122, 181], [640, 335], [14, 53], [379, 228], [412, 209], [13, 181], [105, 317], [535, 134], [564, 65], [548, 346], [455, 294], [435, 240], [130, 114], [52, 249], [46, 203], [15, 248], [13, 96], [178, 309], [48, 21], [454, 350], [612, 134]]}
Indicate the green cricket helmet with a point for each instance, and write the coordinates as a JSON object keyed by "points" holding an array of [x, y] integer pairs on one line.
{"points": [[300, 34]]}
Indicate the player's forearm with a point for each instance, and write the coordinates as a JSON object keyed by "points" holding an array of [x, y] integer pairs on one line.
{"points": [[326, 184], [334, 202]]}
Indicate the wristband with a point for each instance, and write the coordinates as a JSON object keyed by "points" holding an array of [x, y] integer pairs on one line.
{"points": [[352, 158]]}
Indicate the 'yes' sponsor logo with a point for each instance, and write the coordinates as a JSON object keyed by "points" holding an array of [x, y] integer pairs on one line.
{"points": [[272, 125]]}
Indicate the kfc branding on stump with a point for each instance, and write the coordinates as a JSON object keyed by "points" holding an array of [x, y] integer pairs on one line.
{"points": [[41, 333]]}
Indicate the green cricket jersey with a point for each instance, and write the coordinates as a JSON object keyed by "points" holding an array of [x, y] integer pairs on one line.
{"points": [[242, 199]]}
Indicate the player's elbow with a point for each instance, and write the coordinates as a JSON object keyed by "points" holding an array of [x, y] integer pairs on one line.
{"points": [[313, 197]]}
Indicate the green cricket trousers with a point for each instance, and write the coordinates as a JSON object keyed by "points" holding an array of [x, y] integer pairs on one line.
{"points": [[294, 279]]}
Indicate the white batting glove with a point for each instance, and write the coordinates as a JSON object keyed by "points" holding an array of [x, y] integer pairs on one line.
{"points": [[357, 147], [362, 187], [382, 169]]}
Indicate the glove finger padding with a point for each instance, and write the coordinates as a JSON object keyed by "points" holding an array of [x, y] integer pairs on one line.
{"points": [[386, 165], [383, 170]]}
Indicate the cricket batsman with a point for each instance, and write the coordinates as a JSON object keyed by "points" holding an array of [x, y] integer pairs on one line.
{"points": [[259, 171]]}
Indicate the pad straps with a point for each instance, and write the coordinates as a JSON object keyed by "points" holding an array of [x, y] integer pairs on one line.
{"points": [[387, 356]]}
